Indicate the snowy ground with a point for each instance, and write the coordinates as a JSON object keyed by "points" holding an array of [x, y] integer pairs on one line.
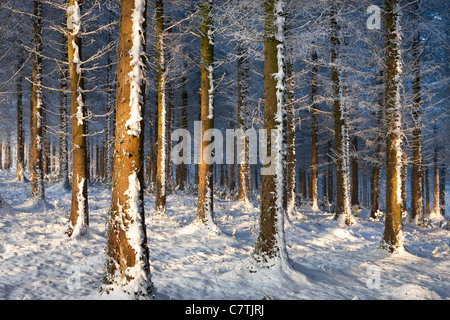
{"points": [[329, 261]]}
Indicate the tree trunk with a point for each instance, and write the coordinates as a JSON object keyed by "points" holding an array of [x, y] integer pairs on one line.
{"points": [[417, 175], [79, 216], [355, 173], [161, 179], [63, 146], [314, 131], [37, 169], [393, 234], [427, 191], [182, 169], [330, 190], [128, 267], [205, 211], [270, 247], [242, 123], [20, 143], [340, 129], [442, 189], [404, 176], [435, 211], [376, 171]]}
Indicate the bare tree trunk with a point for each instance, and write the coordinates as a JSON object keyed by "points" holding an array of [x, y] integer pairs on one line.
{"points": [[376, 171], [330, 190], [354, 190], [128, 266], [79, 216], [270, 247], [417, 174], [340, 129], [427, 191], [442, 189], [393, 234], [436, 210], [205, 211], [242, 122], [181, 168], [20, 143], [63, 128], [314, 131], [161, 179], [37, 169], [404, 176]]}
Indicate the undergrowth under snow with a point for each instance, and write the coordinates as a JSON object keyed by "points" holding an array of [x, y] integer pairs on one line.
{"points": [[328, 260]]}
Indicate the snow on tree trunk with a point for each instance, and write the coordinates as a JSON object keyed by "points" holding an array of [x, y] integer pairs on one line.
{"points": [[270, 247], [205, 210], [63, 152], [417, 174], [314, 132], [242, 121], [79, 217], [435, 212], [160, 200], [340, 129], [128, 266], [393, 232], [20, 142], [37, 173]]}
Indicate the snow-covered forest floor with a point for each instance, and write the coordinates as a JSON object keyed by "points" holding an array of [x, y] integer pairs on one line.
{"points": [[329, 261]]}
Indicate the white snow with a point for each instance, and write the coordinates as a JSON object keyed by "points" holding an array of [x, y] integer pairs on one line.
{"points": [[328, 260], [136, 75]]}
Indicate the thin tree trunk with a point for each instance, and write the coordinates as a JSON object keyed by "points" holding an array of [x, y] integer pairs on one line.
{"points": [[63, 128], [161, 179], [205, 211], [393, 234], [330, 190], [37, 169], [242, 122], [376, 171], [417, 174], [355, 173], [427, 191], [182, 169], [314, 130], [436, 201], [20, 143], [340, 129], [442, 189], [128, 266], [79, 216]]}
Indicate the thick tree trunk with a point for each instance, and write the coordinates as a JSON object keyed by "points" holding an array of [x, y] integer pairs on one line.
{"points": [[205, 211], [37, 169], [270, 248], [128, 267], [79, 216], [393, 234]]}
